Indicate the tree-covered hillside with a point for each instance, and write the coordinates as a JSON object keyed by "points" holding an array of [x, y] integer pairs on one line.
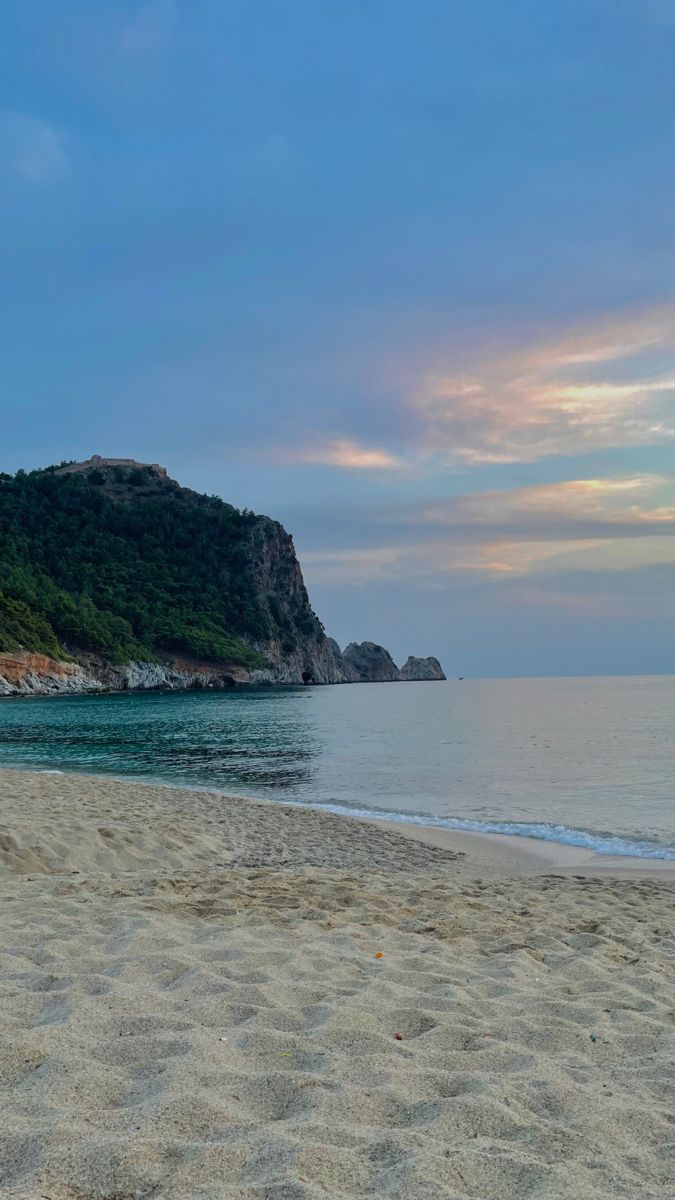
{"points": [[125, 565]]}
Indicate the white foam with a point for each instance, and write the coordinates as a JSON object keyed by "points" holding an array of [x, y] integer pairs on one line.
{"points": [[599, 843]]}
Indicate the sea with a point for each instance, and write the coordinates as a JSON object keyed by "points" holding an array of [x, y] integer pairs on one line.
{"points": [[589, 762]]}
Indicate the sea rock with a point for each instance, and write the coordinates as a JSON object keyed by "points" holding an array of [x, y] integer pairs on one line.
{"points": [[370, 663], [419, 669]]}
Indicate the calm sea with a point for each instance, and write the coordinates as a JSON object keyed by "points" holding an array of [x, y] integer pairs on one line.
{"points": [[589, 762]]}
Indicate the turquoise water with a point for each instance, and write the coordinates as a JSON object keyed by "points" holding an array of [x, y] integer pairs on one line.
{"points": [[585, 761]]}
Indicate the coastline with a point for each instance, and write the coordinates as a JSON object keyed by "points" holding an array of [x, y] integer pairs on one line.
{"points": [[484, 853], [220, 998], [503, 853]]}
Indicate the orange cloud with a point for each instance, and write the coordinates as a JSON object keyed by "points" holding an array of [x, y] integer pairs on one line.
{"points": [[342, 452], [637, 499], [547, 401], [428, 563], [607, 342], [594, 525]]}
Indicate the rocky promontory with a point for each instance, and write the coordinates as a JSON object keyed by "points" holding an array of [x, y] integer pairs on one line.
{"points": [[114, 577]]}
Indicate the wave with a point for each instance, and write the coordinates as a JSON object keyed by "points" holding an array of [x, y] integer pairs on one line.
{"points": [[599, 843]]}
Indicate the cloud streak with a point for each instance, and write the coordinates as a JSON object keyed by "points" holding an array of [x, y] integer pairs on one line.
{"points": [[631, 500], [348, 455], [592, 525], [597, 390], [428, 564]]}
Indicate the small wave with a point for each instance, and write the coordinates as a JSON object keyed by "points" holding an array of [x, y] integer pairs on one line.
{"points": [[599, 843]]}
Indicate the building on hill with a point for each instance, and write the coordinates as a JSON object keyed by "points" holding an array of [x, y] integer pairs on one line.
{"points": [[98, 463]]}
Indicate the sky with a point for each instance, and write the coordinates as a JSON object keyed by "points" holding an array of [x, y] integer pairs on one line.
{"points": [[400, 273]]}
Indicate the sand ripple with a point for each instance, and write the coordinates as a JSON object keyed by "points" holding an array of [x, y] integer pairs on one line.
{"points": [[208, 1018]]}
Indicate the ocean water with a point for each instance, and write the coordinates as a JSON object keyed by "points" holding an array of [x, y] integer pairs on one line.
{"points": [[589, 762]]}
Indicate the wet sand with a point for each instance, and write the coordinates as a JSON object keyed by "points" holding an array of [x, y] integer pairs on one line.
{"points": [[502, 854]]}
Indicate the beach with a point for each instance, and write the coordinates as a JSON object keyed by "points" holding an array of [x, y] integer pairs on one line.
{"points": [[213, 998]]}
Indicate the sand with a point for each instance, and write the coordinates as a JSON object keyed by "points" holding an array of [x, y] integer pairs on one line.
{"points": [[210, 998]]}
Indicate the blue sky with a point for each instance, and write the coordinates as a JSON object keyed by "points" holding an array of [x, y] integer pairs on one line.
{"points": [[398, 273]]}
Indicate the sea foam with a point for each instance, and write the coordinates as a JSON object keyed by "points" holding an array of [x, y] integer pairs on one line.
{"points": [[598, 843]]}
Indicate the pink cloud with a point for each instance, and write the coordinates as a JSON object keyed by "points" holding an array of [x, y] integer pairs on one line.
{"points": [[547, 401], [349, 455], [638, 499], [597, 525]]}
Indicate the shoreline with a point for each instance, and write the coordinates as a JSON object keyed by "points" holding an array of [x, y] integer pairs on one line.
{"points": [[59, 674], [497, 854], [501, 852]]}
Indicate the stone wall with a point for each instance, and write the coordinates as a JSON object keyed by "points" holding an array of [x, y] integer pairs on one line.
{"points": [[98, 463]]}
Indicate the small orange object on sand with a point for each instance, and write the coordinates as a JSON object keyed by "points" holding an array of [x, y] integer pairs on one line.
{"points": [[379, 954]]}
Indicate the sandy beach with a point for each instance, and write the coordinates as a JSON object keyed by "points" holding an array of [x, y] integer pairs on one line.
{"points": [[213, 998]]}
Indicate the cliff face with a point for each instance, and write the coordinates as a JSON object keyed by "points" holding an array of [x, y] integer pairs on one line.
{"points": [[26, 674], [298, 650]]}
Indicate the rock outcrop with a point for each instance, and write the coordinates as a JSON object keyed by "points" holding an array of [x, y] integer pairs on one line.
{"points": [[421, 669], [370, 663], [26, 674]]}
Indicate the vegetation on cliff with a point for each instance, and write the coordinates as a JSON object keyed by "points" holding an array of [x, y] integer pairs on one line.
{"points": [[130, 567], [21, 627]]}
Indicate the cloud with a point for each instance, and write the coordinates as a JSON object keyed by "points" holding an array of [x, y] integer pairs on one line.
{"points": [[551, 400], [30, 148], [427, 564], [150, 28], [637, 501], [349, 455], [593, 525], [607, 342]]}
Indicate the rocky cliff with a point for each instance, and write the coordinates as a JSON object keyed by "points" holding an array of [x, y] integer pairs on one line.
{"points": [[298, 650], [26, 674], [370, 663], [416, 670], [112, 576], [23, 673]]}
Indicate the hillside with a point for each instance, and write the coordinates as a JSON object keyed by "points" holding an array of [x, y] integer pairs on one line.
{"points": [[112, 575], [126, 564]]}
